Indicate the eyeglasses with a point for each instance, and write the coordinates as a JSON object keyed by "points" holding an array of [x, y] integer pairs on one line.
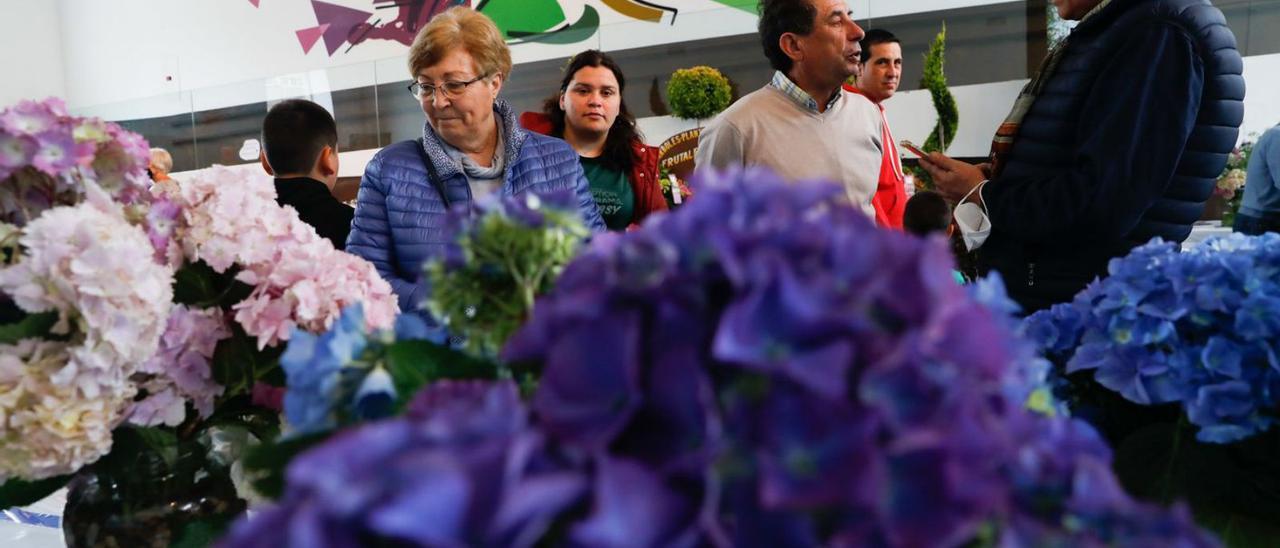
{"points": [[451, 89]]}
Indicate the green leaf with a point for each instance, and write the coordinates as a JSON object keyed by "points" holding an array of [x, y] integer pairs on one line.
{"points": [[16, 492], [266, 463], [198, 285], [1237, 531], [201, 533], [237, 362], [34, 325], [240, 412], [414, 364], [161, 441], [1146, 463]]}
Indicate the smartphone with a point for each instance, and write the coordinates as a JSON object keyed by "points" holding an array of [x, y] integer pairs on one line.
{"points": [[912, 148]]}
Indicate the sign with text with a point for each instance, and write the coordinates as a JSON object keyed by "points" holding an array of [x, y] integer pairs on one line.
{"points": [[675, 155]]}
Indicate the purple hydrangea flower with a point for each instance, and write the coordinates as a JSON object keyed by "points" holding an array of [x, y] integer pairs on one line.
{"points": [[831, 380], [49, 158], [762, 367], [462, 468], [15, 151]]}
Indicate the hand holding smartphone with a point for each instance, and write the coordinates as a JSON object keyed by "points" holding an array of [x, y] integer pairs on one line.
{"points": [[912, 148]]}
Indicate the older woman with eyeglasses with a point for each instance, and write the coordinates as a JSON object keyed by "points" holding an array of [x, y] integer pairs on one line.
{"points": [[471, 147]]}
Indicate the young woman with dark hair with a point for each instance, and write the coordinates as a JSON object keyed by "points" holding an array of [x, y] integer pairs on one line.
{"points": [[588, 112]]}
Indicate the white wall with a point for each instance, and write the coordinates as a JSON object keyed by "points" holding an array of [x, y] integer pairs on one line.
{"points": [[147, 58], [982, 108], [1262, 95], [31, 63], [228, 52]]}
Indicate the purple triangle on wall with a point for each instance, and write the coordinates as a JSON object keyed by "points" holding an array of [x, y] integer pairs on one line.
{"points": [[340, 20], [254, 2], [308, 37]]}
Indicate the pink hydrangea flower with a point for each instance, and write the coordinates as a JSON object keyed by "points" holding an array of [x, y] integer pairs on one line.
{"points": [[96, 271], [48, 428], [299, 279]]}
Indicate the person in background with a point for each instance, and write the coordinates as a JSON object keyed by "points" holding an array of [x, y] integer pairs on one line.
{"points": [[1117, 139], [590, 114], [159, 165], [926, 213], [879, 78], [1260, 205], [300, 149], [802, 125], [471, 147]]}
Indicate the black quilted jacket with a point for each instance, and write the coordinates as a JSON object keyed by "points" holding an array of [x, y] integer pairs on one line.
{"points": [[1123, 145]]}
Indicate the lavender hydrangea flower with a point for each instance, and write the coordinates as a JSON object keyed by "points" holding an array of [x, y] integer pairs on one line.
{"points": [[461, 468], [1196, 327], [49, 158]]}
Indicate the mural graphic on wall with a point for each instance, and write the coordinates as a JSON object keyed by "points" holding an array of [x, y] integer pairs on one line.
{"points": [[520, 21], [343, 28]]}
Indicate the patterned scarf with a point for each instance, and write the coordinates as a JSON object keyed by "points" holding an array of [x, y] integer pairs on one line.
{"points": [[1002, 143]]}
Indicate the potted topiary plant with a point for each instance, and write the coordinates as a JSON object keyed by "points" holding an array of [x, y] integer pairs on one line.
{"points": [[695, 93], [698, 93]]}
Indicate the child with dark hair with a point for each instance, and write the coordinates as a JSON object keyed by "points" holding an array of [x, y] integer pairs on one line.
{"points": [[927, 212], [300, 149]]}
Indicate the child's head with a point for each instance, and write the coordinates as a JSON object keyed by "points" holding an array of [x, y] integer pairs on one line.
{"points": [[926, 213], [300, 139]]}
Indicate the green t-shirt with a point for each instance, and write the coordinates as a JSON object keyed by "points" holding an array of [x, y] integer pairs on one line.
{"points": [[612, 191]]}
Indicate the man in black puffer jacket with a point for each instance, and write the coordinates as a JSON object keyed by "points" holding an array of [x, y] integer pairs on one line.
{"points": [[1119, 139]]}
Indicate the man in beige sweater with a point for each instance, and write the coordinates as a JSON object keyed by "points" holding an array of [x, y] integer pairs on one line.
{"points": [[802, 124]]}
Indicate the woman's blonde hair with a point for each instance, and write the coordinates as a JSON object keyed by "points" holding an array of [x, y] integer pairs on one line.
{"points": [[466, 28], [161, 159]]}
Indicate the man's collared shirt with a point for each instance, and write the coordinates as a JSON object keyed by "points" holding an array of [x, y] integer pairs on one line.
{"points": [[800, 96]]}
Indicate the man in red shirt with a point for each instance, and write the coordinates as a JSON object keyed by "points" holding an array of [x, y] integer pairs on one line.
{"points": [[881, 74]]}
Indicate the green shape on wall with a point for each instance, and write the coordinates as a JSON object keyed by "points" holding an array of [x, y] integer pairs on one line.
{"points": [[748, 6], [580, 31], [521, 18]]}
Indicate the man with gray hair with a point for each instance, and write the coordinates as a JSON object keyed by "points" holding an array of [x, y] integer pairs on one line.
{"points": [[803, 125]]}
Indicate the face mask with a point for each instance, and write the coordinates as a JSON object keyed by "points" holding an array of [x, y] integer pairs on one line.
{"points": [[974, 225]]}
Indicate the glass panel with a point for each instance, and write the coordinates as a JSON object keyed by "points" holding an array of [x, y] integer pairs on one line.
{"points": [[354, 106], [986, 43]]}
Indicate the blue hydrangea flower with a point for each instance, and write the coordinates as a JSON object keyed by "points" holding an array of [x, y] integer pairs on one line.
{"points": [[312, 365], [1195, 327]]}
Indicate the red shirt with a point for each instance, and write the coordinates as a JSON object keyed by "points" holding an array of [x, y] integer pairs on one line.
{"points": [[890, 199]]}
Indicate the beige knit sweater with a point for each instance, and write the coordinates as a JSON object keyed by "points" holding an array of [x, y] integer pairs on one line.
{"points": [[766, 128]]}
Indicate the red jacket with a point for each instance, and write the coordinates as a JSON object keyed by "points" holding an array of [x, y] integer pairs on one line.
{"points": [[890, 200], [644, 172]]}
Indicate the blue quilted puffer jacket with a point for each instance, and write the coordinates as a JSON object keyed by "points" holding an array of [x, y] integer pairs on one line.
{"points": [[1123, 144], [400, 217]]}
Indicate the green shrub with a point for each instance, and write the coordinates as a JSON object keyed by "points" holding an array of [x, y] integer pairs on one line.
{"points": [[698, 93]]}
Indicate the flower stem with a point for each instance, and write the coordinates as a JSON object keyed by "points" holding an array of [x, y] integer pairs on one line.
{"points": [[1166, 494]]}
